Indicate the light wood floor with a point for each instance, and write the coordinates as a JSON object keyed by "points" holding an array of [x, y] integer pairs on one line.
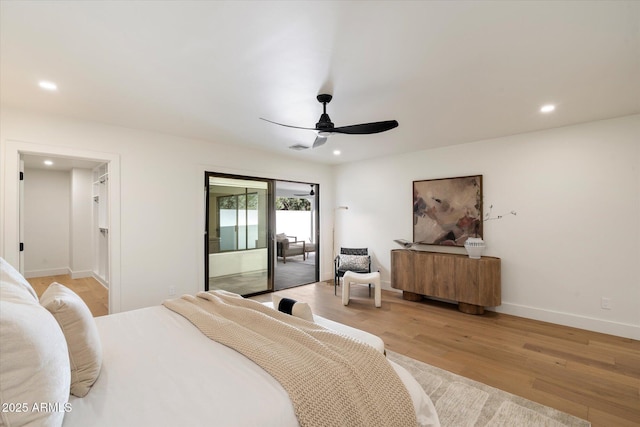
{"points": [[590, 375], [89, 289]]}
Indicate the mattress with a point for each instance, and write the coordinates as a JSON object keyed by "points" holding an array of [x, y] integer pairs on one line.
{"points": [[160, 370]]}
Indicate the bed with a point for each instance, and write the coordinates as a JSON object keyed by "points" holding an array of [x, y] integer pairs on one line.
{"points": [[156, 368]]}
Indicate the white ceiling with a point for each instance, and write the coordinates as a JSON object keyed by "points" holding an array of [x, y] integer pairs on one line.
{"points": [[34, 161], [294, 189], [449, 72]]}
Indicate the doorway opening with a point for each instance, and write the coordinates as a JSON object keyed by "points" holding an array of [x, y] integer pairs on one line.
{"points": [[296, 216], [64, 226], [10, 238]]}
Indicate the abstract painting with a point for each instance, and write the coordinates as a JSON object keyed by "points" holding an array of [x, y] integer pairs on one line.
{"points": [[447, 211]]}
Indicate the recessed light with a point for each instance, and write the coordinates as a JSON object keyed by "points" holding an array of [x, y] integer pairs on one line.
{"points": [[48, 85], [48, 162], [547, 108], [336, 152]]}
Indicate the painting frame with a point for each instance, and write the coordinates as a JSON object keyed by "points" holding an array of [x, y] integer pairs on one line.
{"points": [[447, 211]]}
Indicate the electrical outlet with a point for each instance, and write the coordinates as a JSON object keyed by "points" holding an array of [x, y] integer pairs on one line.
{"points": [[606, 303], [172, 291]]}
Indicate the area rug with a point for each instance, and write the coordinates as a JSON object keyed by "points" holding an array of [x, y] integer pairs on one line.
{"points": [[463, 402]]}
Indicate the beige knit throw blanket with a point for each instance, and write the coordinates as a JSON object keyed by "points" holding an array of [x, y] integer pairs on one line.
{"points": [[332, 380]]}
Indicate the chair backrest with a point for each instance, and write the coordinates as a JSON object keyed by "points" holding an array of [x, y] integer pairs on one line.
{"points": [[354, 251]]}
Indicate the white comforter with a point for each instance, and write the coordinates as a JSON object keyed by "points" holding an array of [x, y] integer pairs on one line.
{"points": [[159, 370]]}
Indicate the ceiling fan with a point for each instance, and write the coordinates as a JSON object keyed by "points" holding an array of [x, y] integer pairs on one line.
{"points": [[310, 193], [325, 127]]}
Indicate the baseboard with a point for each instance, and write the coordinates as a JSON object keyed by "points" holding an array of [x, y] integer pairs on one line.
{"points": [[566, 319], [624, 330], [81, 274], [47, 272], [100, 280]]}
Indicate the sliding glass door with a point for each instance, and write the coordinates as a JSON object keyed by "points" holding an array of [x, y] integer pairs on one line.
{"points": [[238, 250], [296, 217]]}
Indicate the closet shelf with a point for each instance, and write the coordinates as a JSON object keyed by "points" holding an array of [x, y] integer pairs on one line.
{"points": [[102, 179]]}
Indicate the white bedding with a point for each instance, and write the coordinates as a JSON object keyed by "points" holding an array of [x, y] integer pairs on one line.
{"points": [[160, 370]]}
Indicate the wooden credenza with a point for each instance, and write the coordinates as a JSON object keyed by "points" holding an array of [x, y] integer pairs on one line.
{"points": [[473, 283]]}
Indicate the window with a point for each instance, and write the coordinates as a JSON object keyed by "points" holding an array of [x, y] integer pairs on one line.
{"points": [[238, 221]]}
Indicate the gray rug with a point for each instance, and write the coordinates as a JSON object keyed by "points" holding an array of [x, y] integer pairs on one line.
{"points": [[295, 272], [462, 402]]}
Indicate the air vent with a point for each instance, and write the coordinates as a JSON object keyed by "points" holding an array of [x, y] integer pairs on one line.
{"points": [[298, 147]]}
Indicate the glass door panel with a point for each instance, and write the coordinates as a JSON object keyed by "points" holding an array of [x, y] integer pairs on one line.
{"points": [[238, 254], [296, 218]]}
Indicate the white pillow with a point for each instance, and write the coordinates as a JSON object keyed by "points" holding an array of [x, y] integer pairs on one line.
{"points": [[11, 276], [292, 307], [81, 333], [354, 262], [34, 365]]}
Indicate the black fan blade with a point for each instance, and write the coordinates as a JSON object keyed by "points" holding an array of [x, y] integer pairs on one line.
{"points": [[310, 193], [365, 128], [289, 126]]}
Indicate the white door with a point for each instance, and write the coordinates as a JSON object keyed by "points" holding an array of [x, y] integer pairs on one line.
{"points": [[21, 216]]}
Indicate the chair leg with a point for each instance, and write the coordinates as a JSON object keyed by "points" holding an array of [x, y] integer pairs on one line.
{"points": [[378, 293], [345, 292], [369, 290]]}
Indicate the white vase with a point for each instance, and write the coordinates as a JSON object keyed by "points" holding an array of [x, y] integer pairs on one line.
{"points": [[474, 246]]}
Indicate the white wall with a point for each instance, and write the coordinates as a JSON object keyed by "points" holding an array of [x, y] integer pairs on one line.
{"points": [[576, 235], [47, 199], [160, 205], [228, 263], [80, 227], [295, 223], [58, 211]]}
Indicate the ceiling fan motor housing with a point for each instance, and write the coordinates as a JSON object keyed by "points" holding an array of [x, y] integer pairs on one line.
{"points": [[324, 122], [324, 98]]}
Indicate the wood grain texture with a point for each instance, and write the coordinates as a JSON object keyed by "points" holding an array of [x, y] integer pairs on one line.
{"points": [[444, 281], [404, 274], [587, 374], [89, 289], [475, 283]]}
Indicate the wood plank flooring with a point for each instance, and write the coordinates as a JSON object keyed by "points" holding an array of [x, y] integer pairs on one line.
{"points": [[89, 289], [590, 375]]}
